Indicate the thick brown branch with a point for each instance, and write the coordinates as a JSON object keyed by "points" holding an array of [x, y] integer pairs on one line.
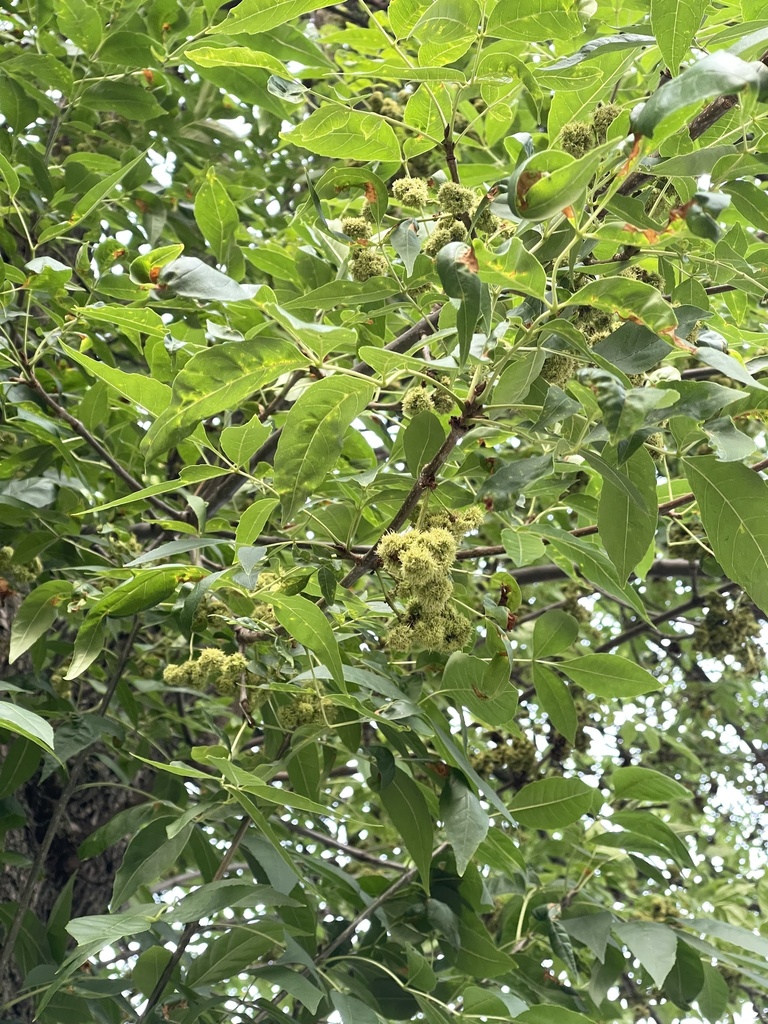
{"points": [[709, 116]]}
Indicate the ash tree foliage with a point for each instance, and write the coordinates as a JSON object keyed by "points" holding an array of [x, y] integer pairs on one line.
{"points": [[383, 511]]}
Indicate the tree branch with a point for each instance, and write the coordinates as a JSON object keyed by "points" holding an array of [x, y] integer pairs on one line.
{"points": [[80, 429], [426, 480], [186, 936], [709, 116], [348, 851], [222, 491], [59, 810]]}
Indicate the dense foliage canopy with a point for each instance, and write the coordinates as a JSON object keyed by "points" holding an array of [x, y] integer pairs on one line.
{"points": [[383, 536]]}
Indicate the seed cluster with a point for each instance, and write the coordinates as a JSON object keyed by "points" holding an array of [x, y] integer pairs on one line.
{"points": [[211, 668], [425, 399], [19, 572], [306, 708], [727, 630], [421, 561]]}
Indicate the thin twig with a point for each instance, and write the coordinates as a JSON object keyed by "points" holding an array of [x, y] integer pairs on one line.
{"points": [[426, 479], [186, 936], [59, 810], [348, 851], [80, 429], [405, 879]]}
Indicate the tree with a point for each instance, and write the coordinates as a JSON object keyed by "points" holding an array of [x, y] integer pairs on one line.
{"points": [[384, 537]]}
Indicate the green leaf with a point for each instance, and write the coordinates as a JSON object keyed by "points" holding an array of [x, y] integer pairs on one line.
{"points": [[712, 1000], [252, 16], [133, 321], [516, 380], [446, 30], [733, 503], [216, 380], [339, 180], [632, 300], [212, 897], [407, 809], [10, 177], [235, 57], [464, 820], [458, 272], [742, 938], [36, 615], [628, 526], [511, 266], [321, 338], [240, 443], [190, 278], [634, 783], [482, 687], [508, 482], [148, 856], [478, 955], [313, 437], [534, 20], [149, 968], [94, 196], [551, 803], [675, 23], [553, 632], [229, 954], [421, 440], [609, 675], [144, 391], [216, 216], [306, 770], [719, 74], [555, 700], [654, 945], [27, 724], [406, 242], [353, 1011], [79, 21], [93, 934], [592, 563], [550, 181], [686, 979], [304, 621], [490, 1002], [647, 824], [147, 589], [546, 1013], [89, 644], [253, 520], [342, 133]]}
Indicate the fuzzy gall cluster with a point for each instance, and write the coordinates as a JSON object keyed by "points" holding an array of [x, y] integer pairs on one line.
{"points": [[457, 206], [306, 707], [514, 761], [727, 630], [212, 668], [578, 137], [425, 399], [421, 561], [19, 572]]}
